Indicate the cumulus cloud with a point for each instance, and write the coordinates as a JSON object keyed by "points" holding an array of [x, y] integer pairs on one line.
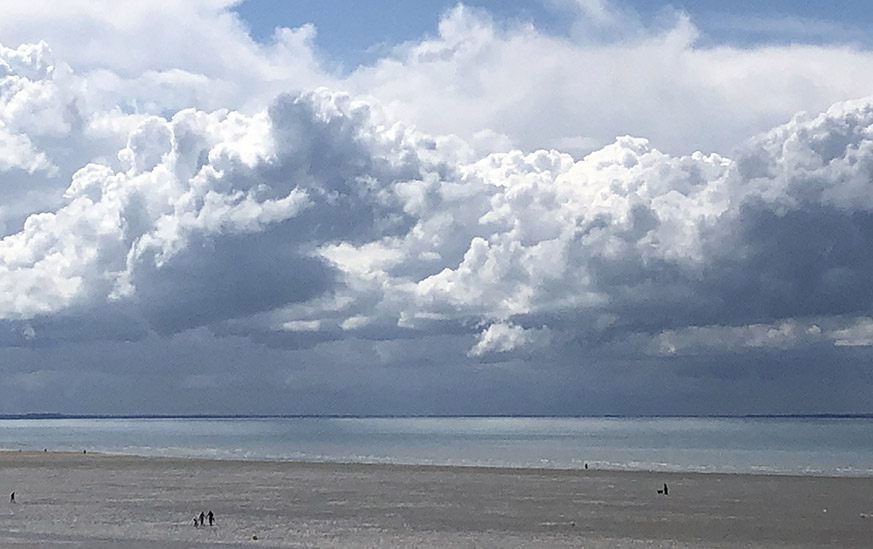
{"points": [[30, 106], [324, 199], [615, 75], [631, 240], [504, 337], [143, 55], [398, 225], [785, 335], [212, 216]]}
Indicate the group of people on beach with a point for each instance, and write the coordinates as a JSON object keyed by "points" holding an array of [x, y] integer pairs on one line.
{"points": [[200, 520]]}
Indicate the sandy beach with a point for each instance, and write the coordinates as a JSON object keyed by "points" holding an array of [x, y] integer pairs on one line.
{"points": [[102, 501]]}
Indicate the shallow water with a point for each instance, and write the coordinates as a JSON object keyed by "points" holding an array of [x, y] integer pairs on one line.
{"points": [[842, 447]]}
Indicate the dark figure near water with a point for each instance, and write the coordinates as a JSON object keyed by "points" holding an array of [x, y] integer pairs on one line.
{"points": [[196, 524], [202, 518], [211, 518], [666, 490], [12, 497]]}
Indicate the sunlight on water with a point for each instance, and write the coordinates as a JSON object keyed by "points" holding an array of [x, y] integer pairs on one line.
{"points": [[777, 445]]}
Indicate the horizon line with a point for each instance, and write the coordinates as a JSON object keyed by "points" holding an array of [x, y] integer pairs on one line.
{"points": [[58, 415]]}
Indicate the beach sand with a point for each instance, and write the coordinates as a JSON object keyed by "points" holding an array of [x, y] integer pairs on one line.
{"points": [[102, 501]]}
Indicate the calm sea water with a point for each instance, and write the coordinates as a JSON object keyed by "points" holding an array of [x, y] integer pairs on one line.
{"points": [[797, 445]]}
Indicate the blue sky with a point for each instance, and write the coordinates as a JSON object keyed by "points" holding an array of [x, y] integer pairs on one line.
{"points": [[351, 32]]}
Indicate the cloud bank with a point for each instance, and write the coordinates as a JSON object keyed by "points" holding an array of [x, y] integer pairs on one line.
{"points": [[384, 239]]}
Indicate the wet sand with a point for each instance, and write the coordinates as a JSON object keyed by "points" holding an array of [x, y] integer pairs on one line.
{"points": [[101, 501]]}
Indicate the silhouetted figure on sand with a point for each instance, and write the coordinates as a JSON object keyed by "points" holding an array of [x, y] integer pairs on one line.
{"points": [[12, 497], [196, 524], [665, 490], [202, 518], [211, 518]]}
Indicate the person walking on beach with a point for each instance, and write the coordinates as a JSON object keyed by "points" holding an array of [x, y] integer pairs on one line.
{"points": [[202, 518], [211, 517]]}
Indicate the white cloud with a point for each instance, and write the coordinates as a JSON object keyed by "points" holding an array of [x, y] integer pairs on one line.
{"points": [[647, 239], [544, 91], [857, 334], [17, 151], [504, 337], [782, 335], [786, 334], [158, 53], [302, 325], [32, 105], [112, 219]]}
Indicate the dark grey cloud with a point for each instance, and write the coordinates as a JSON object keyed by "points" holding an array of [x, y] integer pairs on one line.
{"points": [[219, 279]]}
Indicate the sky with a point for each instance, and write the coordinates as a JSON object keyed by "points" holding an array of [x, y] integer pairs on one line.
{"points": [[551, 207]]}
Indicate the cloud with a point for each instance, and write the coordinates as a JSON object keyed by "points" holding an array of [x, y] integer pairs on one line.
{"points": [[616, 75], [504, 337], [630, 240], [784, 335], [31, 106], [140, 55], [349, 238], [324, 199], [858, 334], [212, 216]]}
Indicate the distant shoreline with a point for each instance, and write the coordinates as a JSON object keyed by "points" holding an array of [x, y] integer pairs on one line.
{"points": [[55, 415]]}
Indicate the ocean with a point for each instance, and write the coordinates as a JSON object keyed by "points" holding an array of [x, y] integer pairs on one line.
{"points": [[820, 446]]}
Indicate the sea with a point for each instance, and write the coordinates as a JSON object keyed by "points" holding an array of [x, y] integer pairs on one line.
{"points": [[764, 445]]}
